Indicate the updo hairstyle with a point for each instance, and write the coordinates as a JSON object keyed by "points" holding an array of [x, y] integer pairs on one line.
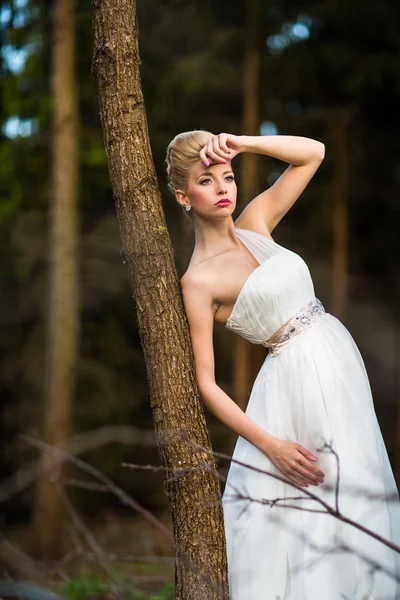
{"points": [[182, 154]]}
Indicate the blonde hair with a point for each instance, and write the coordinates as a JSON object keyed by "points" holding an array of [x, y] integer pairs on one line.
{"points": [[182, 154]]}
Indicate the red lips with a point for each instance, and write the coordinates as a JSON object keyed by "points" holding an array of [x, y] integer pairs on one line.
{"points": [[223, 202]]}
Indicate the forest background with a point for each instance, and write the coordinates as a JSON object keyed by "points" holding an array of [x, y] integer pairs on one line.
{"points": [[328, 70]]}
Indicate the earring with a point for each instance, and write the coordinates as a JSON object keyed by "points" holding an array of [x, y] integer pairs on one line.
{"points": [[188, 207]]}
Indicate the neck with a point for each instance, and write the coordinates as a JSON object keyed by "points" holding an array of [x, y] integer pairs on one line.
{"points": [[213, 237]]}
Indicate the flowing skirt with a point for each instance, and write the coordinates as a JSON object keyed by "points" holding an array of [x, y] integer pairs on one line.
{"points": [[283, 545]]}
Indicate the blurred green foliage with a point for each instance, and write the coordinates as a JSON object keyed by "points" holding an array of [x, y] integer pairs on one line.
{"points": [[79, 588]]}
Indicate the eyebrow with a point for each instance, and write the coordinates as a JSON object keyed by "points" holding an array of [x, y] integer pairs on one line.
{"points": [[209, 173]]}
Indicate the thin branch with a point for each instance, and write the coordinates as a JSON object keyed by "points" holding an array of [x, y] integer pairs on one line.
{"points": [[180, 472], [126, 499], [334, 511], [328, 447], [85, 531], [97, 474], [85, 485], [329, 509], [83, 442]]}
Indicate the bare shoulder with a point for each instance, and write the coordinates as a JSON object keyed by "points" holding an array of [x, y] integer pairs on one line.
{"points": [[200, 311], [196, 287], [195, 280]]}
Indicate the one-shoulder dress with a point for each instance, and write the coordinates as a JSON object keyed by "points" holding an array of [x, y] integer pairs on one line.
{"points": [[311, 389]]}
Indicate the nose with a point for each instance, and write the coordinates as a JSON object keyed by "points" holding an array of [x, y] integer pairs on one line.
{"points": [[221, 186]]}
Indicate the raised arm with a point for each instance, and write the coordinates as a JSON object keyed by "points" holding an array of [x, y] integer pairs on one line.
{"points": [[304, 156], [291, 459]]}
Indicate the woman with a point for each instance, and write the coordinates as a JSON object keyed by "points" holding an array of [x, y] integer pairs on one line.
{"points": [[310, 416]]}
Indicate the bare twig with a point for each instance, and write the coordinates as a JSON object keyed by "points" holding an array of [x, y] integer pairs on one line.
{"points": [[334, 511], [292, 502], [85, 531], [329, 509], [83, 442], [86, 485], [329, 448], [105, 480], [126, 499]]}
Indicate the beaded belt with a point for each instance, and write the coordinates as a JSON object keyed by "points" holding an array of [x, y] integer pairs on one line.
{"points": [[296, 325]]}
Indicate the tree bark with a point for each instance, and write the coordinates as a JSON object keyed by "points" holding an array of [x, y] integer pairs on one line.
{"points": [[247, 354], [340, 216], [62, 313], [201, 570]]}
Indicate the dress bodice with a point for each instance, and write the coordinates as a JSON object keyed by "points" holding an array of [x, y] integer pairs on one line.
{"points": [[279, 287]]}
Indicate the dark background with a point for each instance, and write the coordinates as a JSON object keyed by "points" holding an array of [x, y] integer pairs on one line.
{"points": [[319, 60]]}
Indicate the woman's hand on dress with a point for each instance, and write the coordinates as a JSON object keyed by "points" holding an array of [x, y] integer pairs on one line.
{"points": [[221, 148], [296, 463]]}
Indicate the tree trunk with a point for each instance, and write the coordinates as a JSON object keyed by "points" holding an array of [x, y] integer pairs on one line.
{"points": [[201, 570], [340, 216], [247, 354], [63, 287]]}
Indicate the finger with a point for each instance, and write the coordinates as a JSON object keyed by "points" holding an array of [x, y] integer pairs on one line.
{"points": [[206, 159], [309, 457], [210, 154], [202, 155], [299, 476], [220, 147], [215, 145], [215, 158], [312, 469], [304, 462], [298, 480], [217, 150], [313, 479], [223, 139], [306, 453]]}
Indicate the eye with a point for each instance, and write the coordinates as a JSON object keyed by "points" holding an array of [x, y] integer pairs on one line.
{"points": [[231, 177], [204, 180]]}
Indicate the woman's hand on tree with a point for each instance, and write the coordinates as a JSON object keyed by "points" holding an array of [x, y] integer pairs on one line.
{"points": [[221, 148], [295, 463]]}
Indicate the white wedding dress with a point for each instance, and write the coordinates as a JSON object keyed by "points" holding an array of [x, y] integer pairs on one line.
{"points": [[312, 389]]}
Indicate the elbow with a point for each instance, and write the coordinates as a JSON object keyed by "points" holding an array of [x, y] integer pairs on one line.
{"points": [[320, 151], [205, 389]]}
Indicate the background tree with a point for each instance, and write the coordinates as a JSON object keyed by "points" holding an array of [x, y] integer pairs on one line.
{"points": [[63, 309], [341, 213], [246, 354]]}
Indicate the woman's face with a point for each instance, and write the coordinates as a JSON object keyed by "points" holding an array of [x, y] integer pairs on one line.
{"points": [[211, 191]]}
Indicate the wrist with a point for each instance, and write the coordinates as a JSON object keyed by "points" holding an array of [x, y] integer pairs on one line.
{"points": [[245, 143], [268, 444]]}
